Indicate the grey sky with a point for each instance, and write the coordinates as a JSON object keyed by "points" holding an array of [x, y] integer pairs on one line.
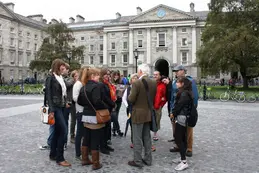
{"points": [[96, 9]]}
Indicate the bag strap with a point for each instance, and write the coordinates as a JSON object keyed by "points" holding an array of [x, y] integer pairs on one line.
{"points": [[89, 101], [148, 95]]}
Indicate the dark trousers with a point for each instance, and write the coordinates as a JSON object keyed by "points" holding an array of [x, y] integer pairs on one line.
{"points": [[92, 138], [181, 139], [66, 116], [73, 120], [58, 140], [79, 134], [116, 124], [106, 135], [130, 123]]}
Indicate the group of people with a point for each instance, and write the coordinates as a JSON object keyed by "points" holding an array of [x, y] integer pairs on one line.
{"points": [[90, 89]]}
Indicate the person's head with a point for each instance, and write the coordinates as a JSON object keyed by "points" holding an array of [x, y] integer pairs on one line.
{"points": [[80, 73], [157, 75], [74, 75], [179, 70], [143, 69], [133, 78], [183, 83], [58, 66], [116, 75], [66, 71], [105, 74], [90, 74]]}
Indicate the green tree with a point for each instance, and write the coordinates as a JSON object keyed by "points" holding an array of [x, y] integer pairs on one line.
{"points": [[57, 44], [231, 39]]}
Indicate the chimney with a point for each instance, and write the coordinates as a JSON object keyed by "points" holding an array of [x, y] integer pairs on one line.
{"points": [[79, 18], [118, 15], [139, 10], [38, 17], [192, 7], [54, 21], [71, 20], [44, 21], [10, 5]]}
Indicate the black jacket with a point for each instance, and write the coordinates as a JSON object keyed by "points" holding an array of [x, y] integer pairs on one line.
{"points": [[94, 93], [54, 96], [168, 95], [69, 84], [107, 96], [182, 104]]}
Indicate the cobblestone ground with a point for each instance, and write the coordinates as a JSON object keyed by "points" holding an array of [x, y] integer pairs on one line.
{"points": [[225, 140]]}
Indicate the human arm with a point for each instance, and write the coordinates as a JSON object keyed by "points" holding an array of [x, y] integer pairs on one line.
{"points": [[195, 93], [76, 90], [97, 99], [49, 94], [172, 99], [124, 98], [106, 95], [183, 100], [133, 92]]}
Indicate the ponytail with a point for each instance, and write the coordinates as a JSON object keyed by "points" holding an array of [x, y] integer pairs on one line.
{"points": [[87, 73]]}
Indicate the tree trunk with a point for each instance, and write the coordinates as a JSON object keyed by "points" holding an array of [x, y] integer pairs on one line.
{"points": [[245, 79]]}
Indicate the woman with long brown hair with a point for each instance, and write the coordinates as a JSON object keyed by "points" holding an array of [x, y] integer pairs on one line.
{"points": [[56, 99], [91, 98]]}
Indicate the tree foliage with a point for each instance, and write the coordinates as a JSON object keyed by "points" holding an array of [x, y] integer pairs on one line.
{"points": [[231, 39], [57, 44]]}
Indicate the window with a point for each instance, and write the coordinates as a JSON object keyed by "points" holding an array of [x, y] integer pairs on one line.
{"points": [[28, 58], [140, 43], [112, 35], [12, 57], [184, 42], [35, 47], [20, 33], [140, 32], [82, 59], [101, 59], [113, 60], [20, 44], [20, 58], [12, 30], [91, 60], [184, 58], [91, 48], [125, 45], [28, 45], [12, 42], [91, 37], [11, 74], [35, 36], [184, 29], [125, 34], [125, 73], [161, 39], [125, 58], [101, 47], [82, 38], [113, 46], [28, 34], [101, 37]]}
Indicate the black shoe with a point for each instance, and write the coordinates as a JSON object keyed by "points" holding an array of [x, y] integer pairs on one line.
{"points": [[114, 134], [173, 150], [171, 140], [120, 133], [109, 148], [188, 154], [105, 151], [145, 162]]}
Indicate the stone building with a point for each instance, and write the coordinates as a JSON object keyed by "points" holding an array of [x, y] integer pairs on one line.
{"points": [[163, 36], [20, 38]]}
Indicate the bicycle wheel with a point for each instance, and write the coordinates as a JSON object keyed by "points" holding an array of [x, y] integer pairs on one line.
{"points": [[240, 98], [252, 98], [224, 97]]}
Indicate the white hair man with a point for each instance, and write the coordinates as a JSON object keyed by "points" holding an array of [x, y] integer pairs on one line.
{"points": [[141, 117]]}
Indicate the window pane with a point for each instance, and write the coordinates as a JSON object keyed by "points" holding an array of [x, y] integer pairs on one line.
{"points": [[125, 58], [161, 38], [140, 43], [101, 59], [101, 46], [113, 45], [125, 45]]}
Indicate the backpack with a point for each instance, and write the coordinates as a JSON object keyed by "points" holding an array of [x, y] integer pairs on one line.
{"points": [[193, 117]]}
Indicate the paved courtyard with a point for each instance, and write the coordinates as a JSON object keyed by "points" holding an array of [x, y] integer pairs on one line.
{"points": [[226, 139]]}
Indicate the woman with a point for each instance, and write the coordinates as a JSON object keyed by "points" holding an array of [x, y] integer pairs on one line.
{"points": [[109, 93], [183, 103], [91, 98], [120, 88], [133, 78], [56, 98]]}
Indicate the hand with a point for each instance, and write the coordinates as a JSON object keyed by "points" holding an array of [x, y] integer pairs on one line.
{"points": [[171, 116], [162, 99], [67, 106]]}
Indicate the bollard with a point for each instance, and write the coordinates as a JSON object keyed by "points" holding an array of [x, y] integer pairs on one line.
{"points": [[204, 91]]}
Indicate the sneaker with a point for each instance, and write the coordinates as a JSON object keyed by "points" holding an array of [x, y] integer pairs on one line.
{"points": [[44, 147], [177, 160], [181, 166]]}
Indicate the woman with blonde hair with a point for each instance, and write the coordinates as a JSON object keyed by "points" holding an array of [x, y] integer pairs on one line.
{"points": [[91, 98]]}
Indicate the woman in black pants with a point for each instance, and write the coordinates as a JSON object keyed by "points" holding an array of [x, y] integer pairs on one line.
{"points": [[181, 110], [56, 99]]}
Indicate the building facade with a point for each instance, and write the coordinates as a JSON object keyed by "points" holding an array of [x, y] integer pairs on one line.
{"points": [[20, 38], [163, 36]]}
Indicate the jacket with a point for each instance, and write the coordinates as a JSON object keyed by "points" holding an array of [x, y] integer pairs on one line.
{"points": [[160, 98], [107, 96], [168, 95], [94, 93], [175, 90], [54, 96], [69, 84], [141, 113]]}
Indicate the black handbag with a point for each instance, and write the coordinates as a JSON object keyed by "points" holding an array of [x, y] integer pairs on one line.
{"points": [[153, 124]]}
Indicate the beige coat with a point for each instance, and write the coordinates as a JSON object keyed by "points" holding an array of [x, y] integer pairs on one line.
{"points": [[138, 97]]}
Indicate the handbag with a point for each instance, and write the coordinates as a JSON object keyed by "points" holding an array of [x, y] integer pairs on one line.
{"points": [[102, 116], [44, 115], [153, 124]]}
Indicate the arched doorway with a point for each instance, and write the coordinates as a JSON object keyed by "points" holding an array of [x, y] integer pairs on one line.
{"points": [[162, 66]]}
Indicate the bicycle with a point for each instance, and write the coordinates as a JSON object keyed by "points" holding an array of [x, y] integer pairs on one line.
{"points": [[253, 98], [239, 97], [209, 94]]}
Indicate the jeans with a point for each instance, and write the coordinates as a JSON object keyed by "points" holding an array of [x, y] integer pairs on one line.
{"points": [[79, 134], [58, 140], [66, 116], [73, 120], [181, 139], [51, 134]]}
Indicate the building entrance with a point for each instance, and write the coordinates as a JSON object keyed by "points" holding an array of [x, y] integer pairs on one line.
{"points": [[162, 66]]}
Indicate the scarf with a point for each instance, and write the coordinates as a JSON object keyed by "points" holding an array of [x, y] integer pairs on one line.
{"points": [[62, 84], [112, 90]]}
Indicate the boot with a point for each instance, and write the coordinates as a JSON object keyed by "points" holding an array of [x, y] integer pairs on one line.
{"points": [[96, 160], [85, 158]]}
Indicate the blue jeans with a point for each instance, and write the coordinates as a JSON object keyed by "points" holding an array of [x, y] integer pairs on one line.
{"points": [[66, 116], [79, 134], [58, 140], [51, 134]]}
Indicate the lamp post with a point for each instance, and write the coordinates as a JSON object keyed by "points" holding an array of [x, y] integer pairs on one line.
{"points": [[136, 57], [69, 56]]}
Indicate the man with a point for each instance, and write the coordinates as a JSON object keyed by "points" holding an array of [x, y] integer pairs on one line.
{"points": [[141, 116], [180, 71], [160, 100]]}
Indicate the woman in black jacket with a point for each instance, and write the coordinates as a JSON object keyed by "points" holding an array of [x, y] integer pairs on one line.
{"points": [[56, 99], [182, 107], [91, 98]]}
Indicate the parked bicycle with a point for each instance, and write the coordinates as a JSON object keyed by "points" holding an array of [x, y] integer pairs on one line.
{"points": [[238, 96], [209, 94], [253, 98]]}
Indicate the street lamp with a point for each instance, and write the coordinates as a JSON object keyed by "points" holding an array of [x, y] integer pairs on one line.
{"points": [[69, 56], [136, 57]]}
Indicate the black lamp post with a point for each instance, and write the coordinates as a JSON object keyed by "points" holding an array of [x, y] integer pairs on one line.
{"points": [[136, 57], [69, 56]]}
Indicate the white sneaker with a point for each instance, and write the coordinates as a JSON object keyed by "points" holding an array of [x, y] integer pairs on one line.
{"points": [[181, 166], [177, 160]]}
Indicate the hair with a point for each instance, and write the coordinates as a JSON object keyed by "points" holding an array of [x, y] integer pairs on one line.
{"points": [[144, 68], [73, 73], [55, 66], [114, 74], [67, 66], [80, 72], [132, 76], [187, 86], [87, 73]]}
